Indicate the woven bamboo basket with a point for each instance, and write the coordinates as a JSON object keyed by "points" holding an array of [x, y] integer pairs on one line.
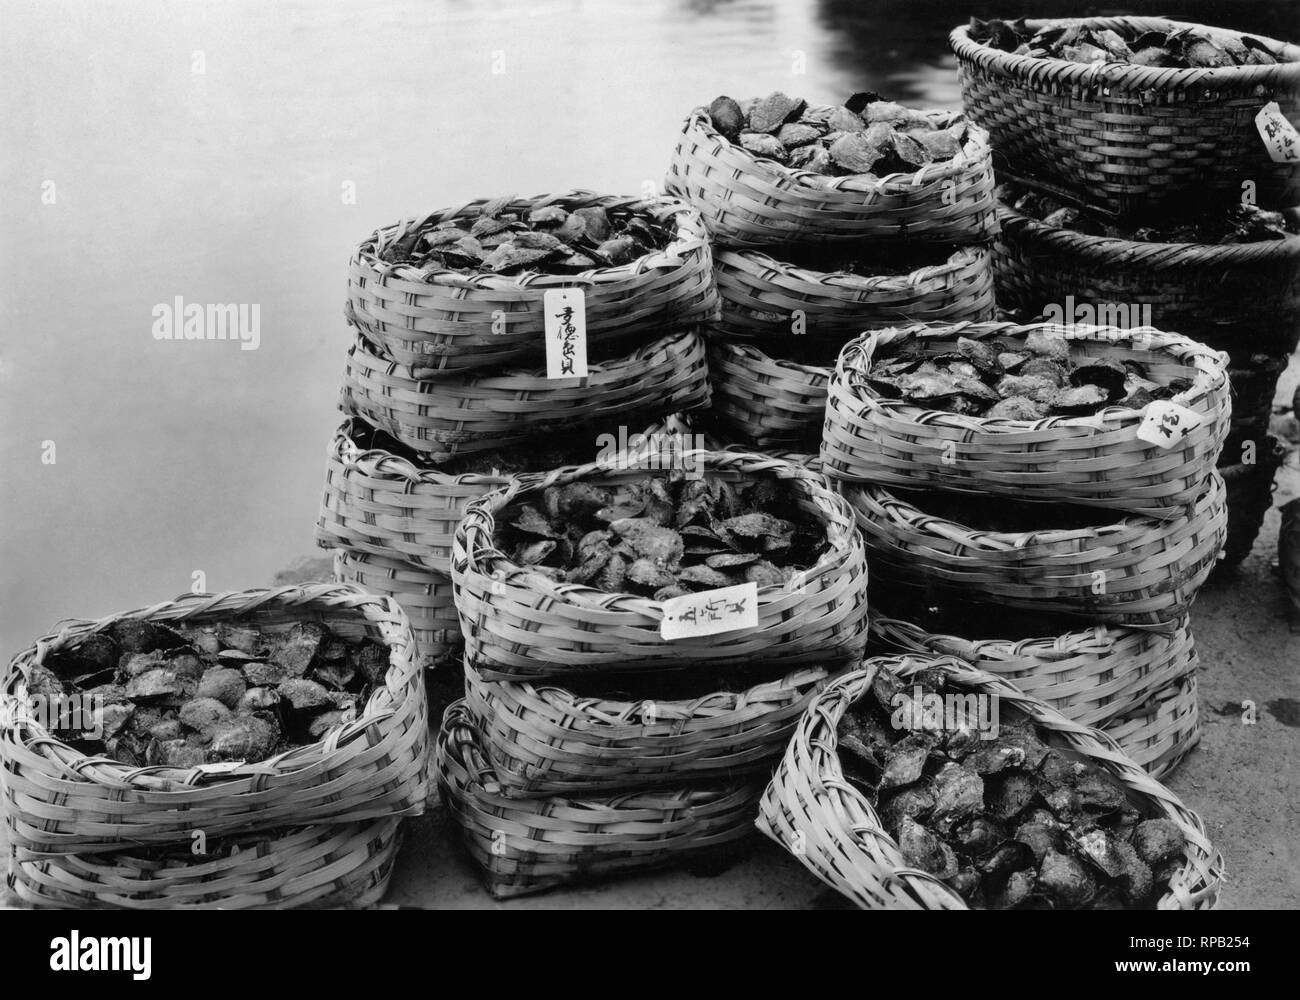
{"points": [[442, 321], [519, 624], [382, 499], [749, 201], [1163, 730], [768, 400], [1250, 495], [1090, 675], [524, 846], [1094, 460], [761, 295], [456, 415], [831, 827], [545, 740], [61, 801], [1242, 298], [425, 595], [1147, 570], [320, 867], [1129, 138]]}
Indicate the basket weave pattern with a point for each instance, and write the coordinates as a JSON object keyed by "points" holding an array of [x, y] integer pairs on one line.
{"points": [[444, 321], [747, 201], [530, 845], [544, 740], [456, 415], [1129, 138], [519, 624], [1147, 570], [760, 295], [59, 800], [812, 810], [423, 594], [1163, 730], [1096, 460], [768, 401]]}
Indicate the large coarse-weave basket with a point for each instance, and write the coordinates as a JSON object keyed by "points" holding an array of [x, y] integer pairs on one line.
{"points": [[751, 201], [61, 801], [1096, 460], [443, 321], [425, 595], [1163, 730], [1090, 675], [766, 296], [519, 623], [1243, 298], [531, 845], [767, 400], [546, 740], [1125, 137], [460, 414], [812, 810], [1137, 571], [320, 867]]}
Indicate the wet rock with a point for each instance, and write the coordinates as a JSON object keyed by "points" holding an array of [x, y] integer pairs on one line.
{"points": [[795, 134], [298, 647], [856, 153], [1066, 879], [774, 110], [1158, 841], [305, 696], [248, 738], [159, 684], [925, 850], [764, 145], [727, 117], [203, 713], [259, 699], [222, 684]]}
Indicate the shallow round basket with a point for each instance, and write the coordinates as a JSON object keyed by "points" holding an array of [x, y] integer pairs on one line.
{"points": [[61, 801], [1138, 571], [545, 740], [319, 867], [1096, 460], [444, 321], [1250, 495], [769, 401], [1089, 675], [523, 846], [761, 295], [1242, 298], [423, 594], [812, 810], [461, 414], [520, 624], [1128, 138], [751, 201], [1163, 730]]}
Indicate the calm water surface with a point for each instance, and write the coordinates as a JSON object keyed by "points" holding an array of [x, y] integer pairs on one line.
{"points": [[226, 186]]}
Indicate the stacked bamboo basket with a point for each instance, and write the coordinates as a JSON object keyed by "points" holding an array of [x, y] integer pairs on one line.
{"points": [[443, 399], [1127, 142], [783, 317]]}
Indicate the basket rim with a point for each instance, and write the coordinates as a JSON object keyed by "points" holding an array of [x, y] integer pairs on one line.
{"points": [[199, 607], [1062, 642], [606, 713], [486, 560], [819, 727], [511, 379], [689, 235], [960, 256], [752, 351], [1205, 361], [1045, 73], [974, 149], [903, 512], [1162, 255]]}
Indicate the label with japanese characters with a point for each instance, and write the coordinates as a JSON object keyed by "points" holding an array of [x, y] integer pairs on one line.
{"points": [[1166, 424], [566, 332], [1279, 135], [727, 609]]}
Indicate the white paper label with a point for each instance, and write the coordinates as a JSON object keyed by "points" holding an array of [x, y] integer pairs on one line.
{"points": [[1166, 424], [566, 332], [225, 767], [709, 612], [1279, 135]]}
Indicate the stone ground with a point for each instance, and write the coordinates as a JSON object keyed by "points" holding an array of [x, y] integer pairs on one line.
{"points": [[1243, 779]]}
